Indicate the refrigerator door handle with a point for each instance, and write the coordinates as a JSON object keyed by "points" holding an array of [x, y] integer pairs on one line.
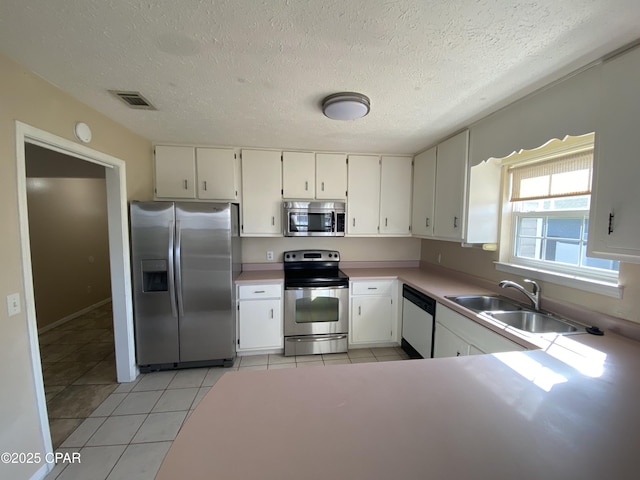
{"points": [[179, 268], [170, 256]]}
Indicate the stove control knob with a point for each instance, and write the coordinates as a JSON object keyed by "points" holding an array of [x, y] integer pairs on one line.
{"points": [[293, 255], [287, 255], [330, 255]]}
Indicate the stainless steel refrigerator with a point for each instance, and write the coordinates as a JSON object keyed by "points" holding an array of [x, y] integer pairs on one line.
{"points": [[185, 258]]}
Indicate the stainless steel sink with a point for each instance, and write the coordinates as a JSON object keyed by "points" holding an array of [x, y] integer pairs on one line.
{"points": [[483, 303], [534, 322], [510, 313]]}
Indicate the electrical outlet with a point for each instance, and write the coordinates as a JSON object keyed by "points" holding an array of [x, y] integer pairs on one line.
{"points": [[13, 304], [269, 255]]}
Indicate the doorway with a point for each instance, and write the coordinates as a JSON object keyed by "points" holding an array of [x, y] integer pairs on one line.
{"points": [[116, 200], [69, 241]]}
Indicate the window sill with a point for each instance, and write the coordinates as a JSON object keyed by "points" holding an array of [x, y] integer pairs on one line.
{"points": [[600, 287]]}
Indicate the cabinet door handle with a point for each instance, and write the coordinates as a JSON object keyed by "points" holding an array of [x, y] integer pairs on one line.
{"points": [[354, 221], [273, 220], [323, 186], [258, 291], [610, 229], [359, 310], [386, 222], [372, 288], [271, 313], [306, 186], [426, 222], [186, 184], [205, 185], [455, 222]]}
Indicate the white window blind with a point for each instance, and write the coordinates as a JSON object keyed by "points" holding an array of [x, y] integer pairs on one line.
{"points": [[568, 175]]}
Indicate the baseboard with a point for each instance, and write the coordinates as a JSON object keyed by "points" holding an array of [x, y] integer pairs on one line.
{"points": [[64, 320]]}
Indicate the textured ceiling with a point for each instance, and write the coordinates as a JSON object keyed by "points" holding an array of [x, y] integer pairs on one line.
{"points": [[253, 73]]}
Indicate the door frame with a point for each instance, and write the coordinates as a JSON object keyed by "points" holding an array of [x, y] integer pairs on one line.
{"points": [[119, 256]]}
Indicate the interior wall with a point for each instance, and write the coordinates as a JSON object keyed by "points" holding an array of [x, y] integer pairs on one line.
{"points": [[352, 249], [478, 262], [29, 99], [69, 245]]}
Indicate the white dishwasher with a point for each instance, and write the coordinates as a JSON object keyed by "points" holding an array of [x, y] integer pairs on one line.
{"points": [[418, 311]]}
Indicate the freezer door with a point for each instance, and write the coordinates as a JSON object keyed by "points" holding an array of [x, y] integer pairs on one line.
{"points": [[204, 281], [155, 304]]}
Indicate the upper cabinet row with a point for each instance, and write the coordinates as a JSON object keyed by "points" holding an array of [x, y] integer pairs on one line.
{"points": [[378, 189]]}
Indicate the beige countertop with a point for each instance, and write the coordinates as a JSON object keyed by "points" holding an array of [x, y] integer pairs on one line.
{"points": [[568, 411], [260, 276]]}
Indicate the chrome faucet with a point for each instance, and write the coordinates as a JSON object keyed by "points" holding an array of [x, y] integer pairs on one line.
{"points": [[534, 295]]}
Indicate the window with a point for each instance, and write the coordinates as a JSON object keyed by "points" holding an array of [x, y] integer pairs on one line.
{"points": [[549, 201]]}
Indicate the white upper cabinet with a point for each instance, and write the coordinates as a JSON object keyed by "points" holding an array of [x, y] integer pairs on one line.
{"points": [[321, 176], [424, 193], [331, 176], [482, 215], [175, 172], [261, 193], [203, 173], [451, 183], [614, 220], [216, 173], [395, 196], [363, 204], [298, 175]]}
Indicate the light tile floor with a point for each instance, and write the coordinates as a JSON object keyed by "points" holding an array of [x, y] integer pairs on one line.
{"points": [[78, 368], [128, 435]]}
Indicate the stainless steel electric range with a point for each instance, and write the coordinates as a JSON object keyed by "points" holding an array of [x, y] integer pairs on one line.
{"points": [[316, 307]]}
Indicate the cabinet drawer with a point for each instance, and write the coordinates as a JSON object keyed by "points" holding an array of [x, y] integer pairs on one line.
{"points": [[371, 287], [270, 290]]}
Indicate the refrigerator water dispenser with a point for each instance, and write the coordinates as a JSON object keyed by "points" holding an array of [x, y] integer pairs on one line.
{"points": [[154, 276]]}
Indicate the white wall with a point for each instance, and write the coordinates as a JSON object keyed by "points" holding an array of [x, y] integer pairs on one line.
{"points": [[27, 98], [351, 249], [69, 245]]}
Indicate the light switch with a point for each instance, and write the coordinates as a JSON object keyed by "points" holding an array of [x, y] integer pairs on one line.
{"points": [[13, 304]]}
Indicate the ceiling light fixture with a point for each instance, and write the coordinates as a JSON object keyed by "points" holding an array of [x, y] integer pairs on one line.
{"points": [[346, 106]]}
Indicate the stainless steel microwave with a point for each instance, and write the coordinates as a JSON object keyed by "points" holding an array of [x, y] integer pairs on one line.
{"points": [[313, 219]]}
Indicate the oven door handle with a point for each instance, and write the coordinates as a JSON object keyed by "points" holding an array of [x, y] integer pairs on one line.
{"points": [[326, 338], [317, 288]]}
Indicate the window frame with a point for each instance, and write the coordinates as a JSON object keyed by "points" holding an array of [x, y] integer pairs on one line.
{"points": [[549, 265]]}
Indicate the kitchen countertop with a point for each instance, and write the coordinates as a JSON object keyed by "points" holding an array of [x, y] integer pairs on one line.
{"points": [[569, 413], [566, 411], [260, 276]]}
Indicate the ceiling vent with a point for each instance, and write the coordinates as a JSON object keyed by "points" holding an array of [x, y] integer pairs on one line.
{"points": [[133, 99]]}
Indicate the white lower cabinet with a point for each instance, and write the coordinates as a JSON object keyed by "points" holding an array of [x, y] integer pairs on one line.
{"points": [[448, 344], [373, 318], [260, 325], [455, 335]]}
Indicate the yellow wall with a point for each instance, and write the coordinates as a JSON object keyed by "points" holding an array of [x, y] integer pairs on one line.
{"points": [[479, 263], [69, 245], [27, 98]]}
